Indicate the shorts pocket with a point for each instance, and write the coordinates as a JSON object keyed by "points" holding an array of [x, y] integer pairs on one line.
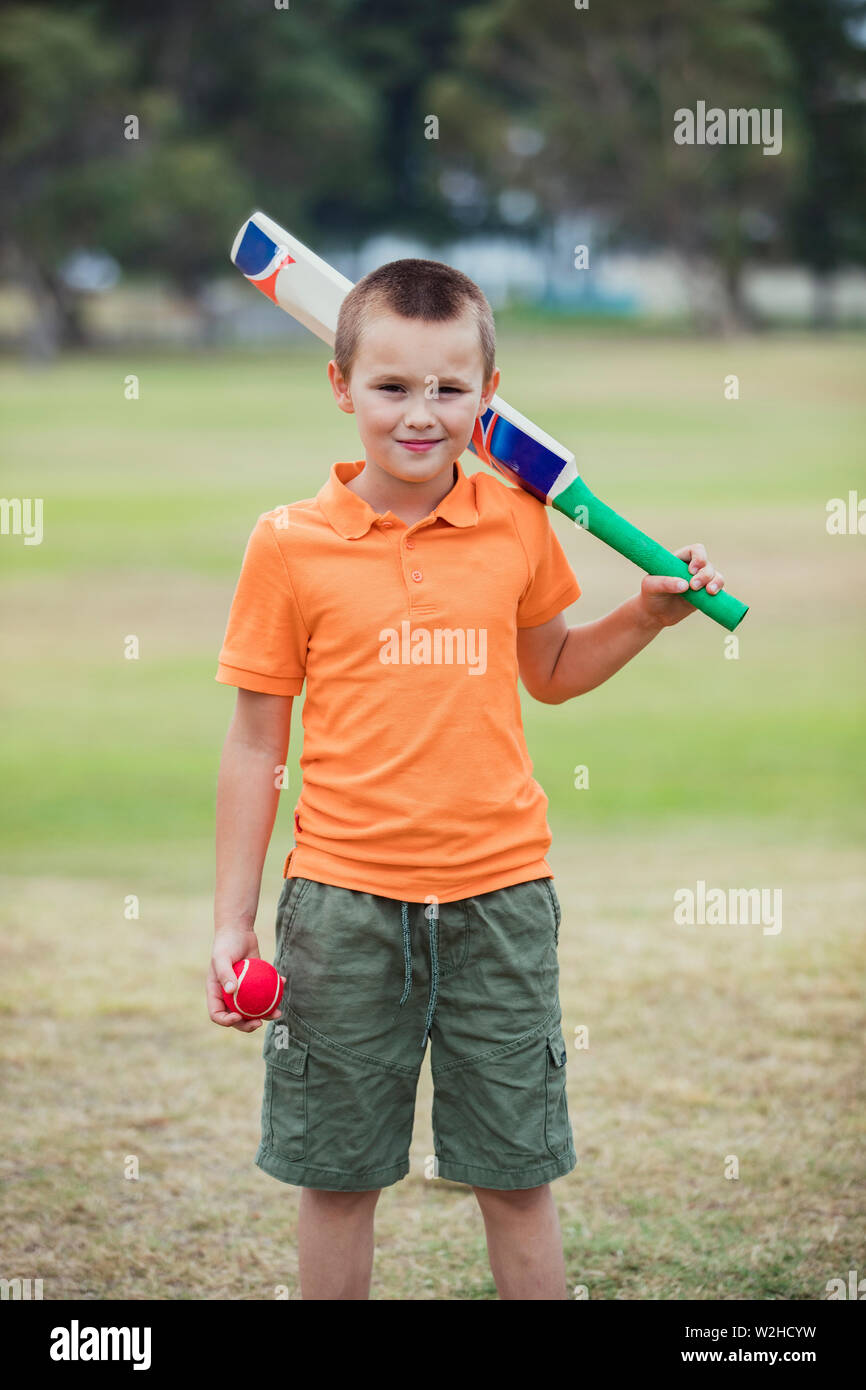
{"points": [[294, 889], [557, 1125], [554, 907], [284, 1107]]}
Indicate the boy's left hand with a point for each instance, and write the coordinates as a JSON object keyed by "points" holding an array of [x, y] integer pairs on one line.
{"points": [[660, 594]]}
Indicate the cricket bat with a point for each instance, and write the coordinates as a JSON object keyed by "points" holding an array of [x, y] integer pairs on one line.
{"points": [[306, 287]]}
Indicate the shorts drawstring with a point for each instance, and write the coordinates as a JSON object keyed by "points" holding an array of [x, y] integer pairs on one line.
{"points": [[434, 964], [407, 954], [434, 975]]}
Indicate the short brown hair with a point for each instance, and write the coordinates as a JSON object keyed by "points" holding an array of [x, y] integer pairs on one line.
{"points": [[415, 289]]}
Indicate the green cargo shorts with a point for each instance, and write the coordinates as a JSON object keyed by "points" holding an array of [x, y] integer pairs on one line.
{"points": [[368, 980]]}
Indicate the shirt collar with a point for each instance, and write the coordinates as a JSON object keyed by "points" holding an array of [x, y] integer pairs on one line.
{"points": [[352, 517]]}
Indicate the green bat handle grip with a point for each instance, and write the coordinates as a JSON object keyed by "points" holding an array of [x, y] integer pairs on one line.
{"points": [[618, 533]]}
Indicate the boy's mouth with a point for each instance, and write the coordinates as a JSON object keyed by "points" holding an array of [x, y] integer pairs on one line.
{"points": [[419, 446]]}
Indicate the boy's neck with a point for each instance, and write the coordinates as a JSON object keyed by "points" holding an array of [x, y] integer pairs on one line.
{"points": [[410, 502]]}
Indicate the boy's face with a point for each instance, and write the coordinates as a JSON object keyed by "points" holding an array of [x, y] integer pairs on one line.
{"points": [[416, 389]]}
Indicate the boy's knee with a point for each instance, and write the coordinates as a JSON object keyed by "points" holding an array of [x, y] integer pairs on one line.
{"points": [[518, 1199], [341, 1201]]}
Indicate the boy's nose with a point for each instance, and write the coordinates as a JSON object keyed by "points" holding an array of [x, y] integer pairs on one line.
{"points": [[419, 414]]}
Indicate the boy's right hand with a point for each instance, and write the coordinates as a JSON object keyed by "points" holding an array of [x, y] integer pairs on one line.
{"points": [[231, 944]]}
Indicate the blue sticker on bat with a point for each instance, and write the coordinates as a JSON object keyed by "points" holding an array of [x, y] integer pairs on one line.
{"points": [[512, 451], [256, 251]]}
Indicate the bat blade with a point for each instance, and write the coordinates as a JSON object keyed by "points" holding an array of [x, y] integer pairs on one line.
{"points": [[523, 453], [290, 274]]}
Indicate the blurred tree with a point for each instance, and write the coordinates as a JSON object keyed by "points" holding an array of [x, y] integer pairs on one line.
{"points": [[827, 205], [236, 105], [577, 107], [274, 90], [398, 47], [61, 87]]}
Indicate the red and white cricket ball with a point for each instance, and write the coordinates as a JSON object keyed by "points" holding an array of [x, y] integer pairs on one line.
{"points": [[259, 989]]}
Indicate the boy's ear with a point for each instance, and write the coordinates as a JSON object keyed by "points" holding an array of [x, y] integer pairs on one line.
{"points": [[489, 391], [340, 388]]}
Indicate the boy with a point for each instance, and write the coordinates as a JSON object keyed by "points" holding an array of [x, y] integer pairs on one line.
{"points": [[417, 901]]}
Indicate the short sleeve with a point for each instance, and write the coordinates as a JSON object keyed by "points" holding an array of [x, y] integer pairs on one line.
{"points": [[265, 644], [551, 585]]}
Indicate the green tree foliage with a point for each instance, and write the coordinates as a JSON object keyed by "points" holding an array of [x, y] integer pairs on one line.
{"points": [[826, 212], [62, 83], [237, 105], [599, 88]]}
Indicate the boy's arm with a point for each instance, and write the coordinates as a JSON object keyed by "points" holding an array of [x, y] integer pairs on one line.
{"points": [[558, 662], [246, 806]]}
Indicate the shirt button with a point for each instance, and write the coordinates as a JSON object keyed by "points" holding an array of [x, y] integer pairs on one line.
{"points": [[417, 576], [410, 545], [387, 523]]}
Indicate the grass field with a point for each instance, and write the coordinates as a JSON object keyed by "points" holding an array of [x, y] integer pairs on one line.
{"points": [[705, 1041]]}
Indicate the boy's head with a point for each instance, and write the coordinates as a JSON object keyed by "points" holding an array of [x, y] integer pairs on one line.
{"points": [[426, 290], [414, 360]]}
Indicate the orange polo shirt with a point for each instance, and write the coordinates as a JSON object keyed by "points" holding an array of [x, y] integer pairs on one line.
{"points": [[416, 776]]}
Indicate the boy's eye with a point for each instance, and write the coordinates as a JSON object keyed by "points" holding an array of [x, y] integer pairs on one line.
{"points": [[443, 390]]}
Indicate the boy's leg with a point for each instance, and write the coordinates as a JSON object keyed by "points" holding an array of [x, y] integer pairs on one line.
{"points": [[335, 1243], [524, 1242], [341, 1073], [500, 1108]]}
